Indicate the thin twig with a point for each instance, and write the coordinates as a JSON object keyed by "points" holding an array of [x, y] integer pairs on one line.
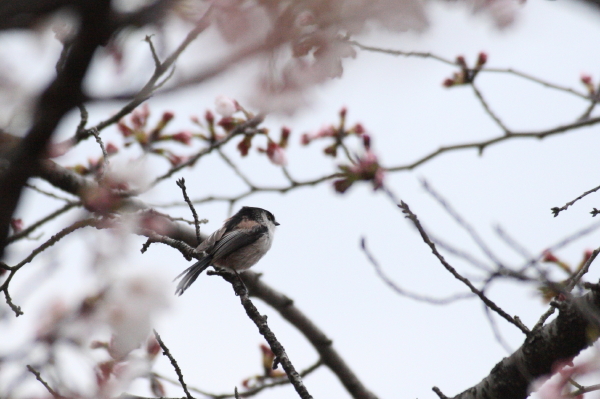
{"points": [[148, 39], [94, 132], [84, 119], [167, 353], [251, 191], [234, 167], [250, 392], [145, 92], [48, 193], [482, 145], [181, 185], [30, 229], [461, 222], [410, 215], [556, 210], [38, 377], [250, 124], [447, 61], [488, 110], [403, 292], [188, 252], [50, 242]]}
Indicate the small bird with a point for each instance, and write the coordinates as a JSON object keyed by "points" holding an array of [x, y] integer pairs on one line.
{"points": [[243, 239]]}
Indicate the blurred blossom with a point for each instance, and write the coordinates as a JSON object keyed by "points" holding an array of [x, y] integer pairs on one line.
{"points": [[241, 24], [225, 106], [502, 12], [130, 308], [558, 386]]}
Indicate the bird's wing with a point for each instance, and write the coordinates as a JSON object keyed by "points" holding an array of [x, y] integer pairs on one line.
{"points": [[210, 241], [237, 239]]}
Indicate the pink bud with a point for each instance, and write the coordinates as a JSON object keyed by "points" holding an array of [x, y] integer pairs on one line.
{"points": [[448, 82], [549, 257], [125, 130], [305, 139], [184, 137], [342, 185], [359, 129], [343, 112], [210, 118], [367, 141], [175, 160], [586, 79], [481, 59], [276, 154], [111, 149], [167, 116]]}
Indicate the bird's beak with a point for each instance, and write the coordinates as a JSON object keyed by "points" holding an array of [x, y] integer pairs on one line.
{"points": [[276, 224]]}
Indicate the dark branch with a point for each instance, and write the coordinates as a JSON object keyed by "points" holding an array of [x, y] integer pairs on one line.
{"points": [[167, 353]]}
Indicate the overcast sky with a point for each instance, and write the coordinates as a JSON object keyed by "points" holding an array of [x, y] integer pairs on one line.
{"points": [[399, 348]]}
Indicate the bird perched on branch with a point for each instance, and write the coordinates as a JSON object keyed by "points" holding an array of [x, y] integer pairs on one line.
{"points": [[243, 239]]}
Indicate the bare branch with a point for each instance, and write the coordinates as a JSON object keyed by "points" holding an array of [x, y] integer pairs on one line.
{"points": [[38, 377], [181, 185], [556, 210], [261, 323], [482, 145], [403, 292], [488, 110], [53, 215], [413, 218], [167, 353]]}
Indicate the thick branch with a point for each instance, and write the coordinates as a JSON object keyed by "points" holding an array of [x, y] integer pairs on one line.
{"points": [[560, 340]]}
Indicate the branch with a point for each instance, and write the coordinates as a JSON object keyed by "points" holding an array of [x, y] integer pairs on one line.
{"points": [[70, 182], [319, 340], [167, 353], [448, 61], [562, 339], [482, 145], [403, 292], [60, 97], [556, 210], [38, 377], [261, 322], [489, 303], [181, 185]]}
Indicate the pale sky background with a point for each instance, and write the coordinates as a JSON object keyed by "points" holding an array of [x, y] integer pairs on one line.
{"points": [[398, 348]]}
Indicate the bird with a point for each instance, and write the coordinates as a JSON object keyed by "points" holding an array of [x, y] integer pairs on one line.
{"points": [[238, 245]]}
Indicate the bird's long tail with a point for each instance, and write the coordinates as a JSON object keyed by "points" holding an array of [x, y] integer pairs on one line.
{"points": [[191, 274]]}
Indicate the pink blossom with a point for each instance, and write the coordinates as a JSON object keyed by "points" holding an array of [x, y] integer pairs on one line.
{"points": [[276, 154], [226, 106]]}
